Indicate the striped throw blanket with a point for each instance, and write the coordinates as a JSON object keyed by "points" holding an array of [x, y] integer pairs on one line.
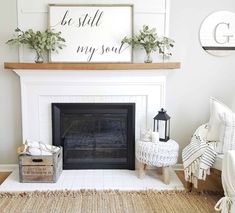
{"points": [[198, 156]]}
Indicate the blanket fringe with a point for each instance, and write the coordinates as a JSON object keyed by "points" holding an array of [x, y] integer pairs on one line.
{"points": [[194, 172], [198, 156]]}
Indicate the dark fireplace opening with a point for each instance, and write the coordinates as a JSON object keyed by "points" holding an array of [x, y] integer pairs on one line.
{"points": [[95, 135]]}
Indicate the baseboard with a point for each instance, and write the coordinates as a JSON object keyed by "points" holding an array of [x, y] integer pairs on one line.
{"points": [[8, 167], [178, 167]]}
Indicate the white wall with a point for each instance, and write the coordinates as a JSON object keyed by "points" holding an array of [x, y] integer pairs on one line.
{"points": [[188, 89], [201, 75], [10, 118]]}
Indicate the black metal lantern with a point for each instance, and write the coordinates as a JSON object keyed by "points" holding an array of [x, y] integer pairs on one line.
{"points": [[162, 126]]}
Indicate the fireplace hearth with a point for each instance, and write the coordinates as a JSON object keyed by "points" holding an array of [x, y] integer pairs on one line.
{"points": [[95, 135]]}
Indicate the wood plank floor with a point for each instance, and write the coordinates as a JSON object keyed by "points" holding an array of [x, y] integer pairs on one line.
{"points": [[213, 182], [3, 176]]}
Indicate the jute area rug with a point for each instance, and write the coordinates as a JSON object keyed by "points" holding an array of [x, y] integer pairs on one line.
{"points": [[107, 202]]}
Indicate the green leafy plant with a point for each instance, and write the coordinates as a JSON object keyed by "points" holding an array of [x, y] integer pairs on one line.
{"points": [[148, 40], [41, 42]]}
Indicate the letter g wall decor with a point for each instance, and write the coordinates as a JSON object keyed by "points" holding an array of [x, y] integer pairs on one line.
{"points": [[93, 33], [217, 33]]}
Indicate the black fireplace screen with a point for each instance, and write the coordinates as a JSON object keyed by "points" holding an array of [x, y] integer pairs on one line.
{"points": [[95, 135]]}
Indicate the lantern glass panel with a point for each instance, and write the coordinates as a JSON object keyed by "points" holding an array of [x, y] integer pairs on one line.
{"points": [[168, 129], [161, 129]]}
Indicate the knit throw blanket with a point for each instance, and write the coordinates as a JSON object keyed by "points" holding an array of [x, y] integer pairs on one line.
{"points": [[198, 156]]}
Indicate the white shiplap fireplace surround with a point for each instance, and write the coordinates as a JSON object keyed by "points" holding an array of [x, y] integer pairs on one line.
{"points": [[40, 88]]}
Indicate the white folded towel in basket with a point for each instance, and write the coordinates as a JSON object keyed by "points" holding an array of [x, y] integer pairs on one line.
{"points": [[37, 148]]}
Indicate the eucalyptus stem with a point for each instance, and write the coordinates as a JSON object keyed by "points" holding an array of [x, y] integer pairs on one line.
{"points": [[41, 42], [148, 39]]}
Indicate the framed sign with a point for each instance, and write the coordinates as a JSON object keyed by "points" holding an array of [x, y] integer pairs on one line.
{"points": [[93, 33]]}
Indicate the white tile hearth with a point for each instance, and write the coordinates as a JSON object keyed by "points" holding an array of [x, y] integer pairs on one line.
{"points": [[95, 179]]}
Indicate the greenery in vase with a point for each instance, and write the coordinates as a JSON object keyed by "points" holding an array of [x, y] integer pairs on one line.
{"points": [[148, 40], [41, 42]]}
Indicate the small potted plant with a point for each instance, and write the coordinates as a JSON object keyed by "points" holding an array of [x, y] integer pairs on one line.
{"points": [[148, 40], [41, 42]]}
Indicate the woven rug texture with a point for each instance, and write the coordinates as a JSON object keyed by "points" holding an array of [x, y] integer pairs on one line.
{"points": [[91, 201]]}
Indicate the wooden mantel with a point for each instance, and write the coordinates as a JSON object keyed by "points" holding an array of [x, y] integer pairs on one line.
{"points": [[91, 66]]}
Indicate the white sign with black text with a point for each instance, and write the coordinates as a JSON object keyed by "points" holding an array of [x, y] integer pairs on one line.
{"points": [[93, 33]]}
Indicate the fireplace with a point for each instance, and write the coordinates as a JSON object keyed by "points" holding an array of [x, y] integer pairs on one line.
{"points": [[40, 88], [95, 135]]}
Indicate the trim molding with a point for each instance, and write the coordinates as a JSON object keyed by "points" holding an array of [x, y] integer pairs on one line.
{"points": [[178, 167], [8, 167]]}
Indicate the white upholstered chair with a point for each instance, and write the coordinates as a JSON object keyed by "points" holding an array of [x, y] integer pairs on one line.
{"points": [[218, 162], [227, 203], [221, 128]]}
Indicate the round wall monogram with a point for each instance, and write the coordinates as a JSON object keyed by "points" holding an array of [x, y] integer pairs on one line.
{"points": [[217, 33]]}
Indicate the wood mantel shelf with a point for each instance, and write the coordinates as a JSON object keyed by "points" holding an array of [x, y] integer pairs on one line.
{"points": [[91, 66]]}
